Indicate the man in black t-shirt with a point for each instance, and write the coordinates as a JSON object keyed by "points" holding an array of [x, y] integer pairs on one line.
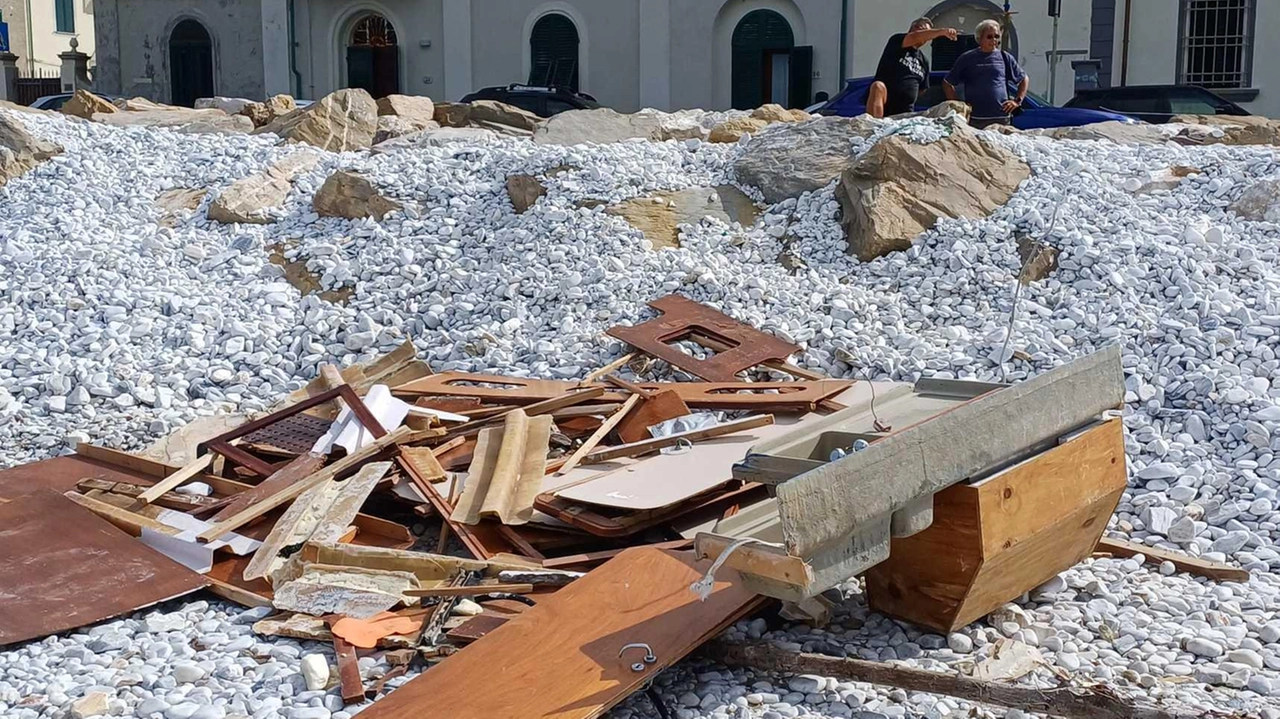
{"points": [[903, 71]]}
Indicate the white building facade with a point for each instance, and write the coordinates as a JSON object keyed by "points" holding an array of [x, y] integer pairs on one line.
{"points": [[629, 54], [41, 29]]}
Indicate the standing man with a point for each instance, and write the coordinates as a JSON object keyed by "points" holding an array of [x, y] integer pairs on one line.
{"points": [[986, 73], [903, 71]]}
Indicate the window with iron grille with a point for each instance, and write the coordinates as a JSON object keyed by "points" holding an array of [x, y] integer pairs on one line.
{"points": [[1215, 43], [64, 16]]}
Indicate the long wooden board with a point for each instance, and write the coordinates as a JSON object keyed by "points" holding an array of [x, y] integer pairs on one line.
{"points": [[560, 658]]}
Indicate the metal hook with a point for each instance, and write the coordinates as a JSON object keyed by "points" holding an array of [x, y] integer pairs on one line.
{"points": [[649, 658]]}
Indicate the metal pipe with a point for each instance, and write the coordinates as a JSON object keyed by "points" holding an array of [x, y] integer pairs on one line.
{"points": [[844, 44], [293, 57], [1053, 63], [31, 44], [1124, 50]]}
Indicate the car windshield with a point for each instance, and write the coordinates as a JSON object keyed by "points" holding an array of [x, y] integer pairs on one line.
{"points": [[1040, 100]]}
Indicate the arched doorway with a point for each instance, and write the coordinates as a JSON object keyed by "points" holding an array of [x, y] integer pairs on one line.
{"points": [[762, 62], [553, 52], [964, 15], [373, 56], [190, 63]]}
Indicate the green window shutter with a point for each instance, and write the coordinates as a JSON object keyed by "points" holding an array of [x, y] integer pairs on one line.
{"points": [[757, 31], [64, 15], [553, 52]]}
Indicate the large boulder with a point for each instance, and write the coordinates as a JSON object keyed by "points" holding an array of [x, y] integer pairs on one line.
{"points": [[789, 160], [229, 105], [598, 126], [1123, 133], [660, 215], [179, 119], [1260, 202], [252, 199], [142, 104], [735, 128], [414, 108], [524, 191], [391, 126], [342, 121], [435, 137], [491, 112], [20, 150], [266, 112], [946, 107], [452, 114], [899, 189], [346, 194], [84, 104], [773, 112]]}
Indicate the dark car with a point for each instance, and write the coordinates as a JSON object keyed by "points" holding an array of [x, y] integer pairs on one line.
{"points": [[543, 101], [55, 102], [1156, 103], [1036, 112]]}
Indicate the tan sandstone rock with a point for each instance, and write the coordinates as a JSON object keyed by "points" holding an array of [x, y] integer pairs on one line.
{"points": [[659, 216], [524, 191], [734, 129], [251, 199], [346, 194], [342, 121], [84, 104], [20, 151]]}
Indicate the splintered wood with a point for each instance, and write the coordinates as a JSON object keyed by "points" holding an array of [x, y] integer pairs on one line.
{"points": [[506, 473]]}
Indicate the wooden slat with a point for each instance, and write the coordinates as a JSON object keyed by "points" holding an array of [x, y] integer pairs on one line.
{"points": [[575, 560], [598, 436], [130, 522], [560, 658], [1182, 562], [348, 671], [473, 590], [141, 465], [288, 494], [232, 593], [170, 500], [609, 368], [175, 480], [770, 562], [636, 449]]}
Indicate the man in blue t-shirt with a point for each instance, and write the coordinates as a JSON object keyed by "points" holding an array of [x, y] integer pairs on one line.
{"points": [[986, 74]]}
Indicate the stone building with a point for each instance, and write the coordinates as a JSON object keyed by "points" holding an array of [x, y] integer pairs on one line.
{"points": [[41, 29], [666, 54]]}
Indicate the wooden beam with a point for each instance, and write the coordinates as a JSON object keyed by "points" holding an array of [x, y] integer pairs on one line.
{"points": [[1182, 562], [636, 449], [288, 494], [1072, 702], [122, 518], [170, 500], [232, 593], [575, 560], [348, 671], [473, 590], [609, 368], [115, 457], [598, 436], [175, 480]]}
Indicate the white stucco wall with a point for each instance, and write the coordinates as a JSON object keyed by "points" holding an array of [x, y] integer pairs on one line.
{"points": [[47, 42], [874, 22], [1153, 49]]}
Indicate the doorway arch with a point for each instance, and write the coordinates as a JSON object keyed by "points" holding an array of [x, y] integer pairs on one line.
{"points": [[964, 15], [373, 55], [554, 51], [760, 63], [190, 63]]}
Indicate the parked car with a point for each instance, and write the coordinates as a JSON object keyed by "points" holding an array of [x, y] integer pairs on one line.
{"points": [[1036, 111], [55, 102], [543, 101], [1156, 103]]}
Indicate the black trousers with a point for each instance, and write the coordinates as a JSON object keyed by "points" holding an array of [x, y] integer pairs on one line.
{"points": [[979, 123]]}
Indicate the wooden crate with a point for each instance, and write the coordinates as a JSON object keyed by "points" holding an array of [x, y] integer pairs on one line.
{"points": [[995, 539]]}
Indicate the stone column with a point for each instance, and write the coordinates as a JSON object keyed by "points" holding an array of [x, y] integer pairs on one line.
{"points": [[276, 79], [75, 69], [8, 76], [655, 54], [457, 50]]}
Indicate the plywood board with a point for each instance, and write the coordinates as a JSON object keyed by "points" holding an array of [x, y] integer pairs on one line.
{"points": [[560, 658], [63, 567]]}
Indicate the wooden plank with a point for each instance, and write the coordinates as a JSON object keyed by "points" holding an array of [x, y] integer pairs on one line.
{"points": [[598, 436], [288, 494], [63, 567], [635, 449], [175, 480], [424, 460], [561, 658], [495, 389], [576, 560], [324, 511], [133, 462], [1182, 562], [473, 590], [232, 593], [348, 671], [423, 565], [170, 500], [655, 408], [122, 518], [609, 368], [538, 408], [761, 560]]}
